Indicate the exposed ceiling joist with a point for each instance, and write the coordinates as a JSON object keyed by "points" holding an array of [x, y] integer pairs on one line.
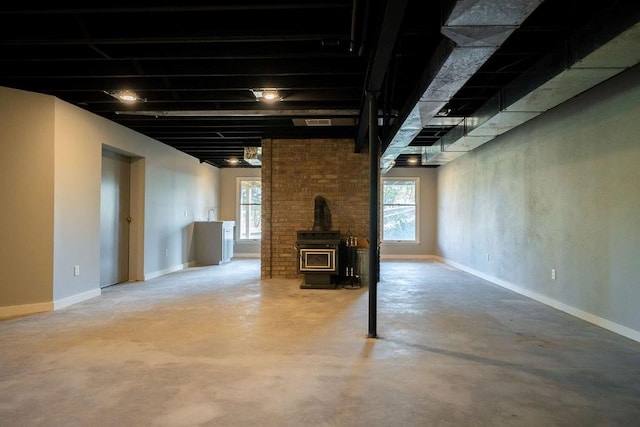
{"points": [[199, 65], [379, 64]]}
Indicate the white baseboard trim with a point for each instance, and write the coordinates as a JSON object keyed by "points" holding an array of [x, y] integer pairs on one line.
{"points": [[586, 316], [74, 299], [246, 255], [173, 269], [409, 257], [24, 309]]}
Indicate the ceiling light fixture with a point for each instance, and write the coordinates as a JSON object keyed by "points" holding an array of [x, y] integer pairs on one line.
{"points": [[268, 95], [233, 161], [125, 95]]}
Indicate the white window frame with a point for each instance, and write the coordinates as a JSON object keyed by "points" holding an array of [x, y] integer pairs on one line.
{"points": [[239, 181], [416, 181]]}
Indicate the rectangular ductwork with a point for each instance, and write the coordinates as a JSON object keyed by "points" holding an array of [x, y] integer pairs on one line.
{"points": [[475, 29], [253, 155], [571, 69]]}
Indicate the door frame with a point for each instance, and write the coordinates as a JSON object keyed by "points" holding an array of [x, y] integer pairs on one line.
{"points": [[136, 212]]}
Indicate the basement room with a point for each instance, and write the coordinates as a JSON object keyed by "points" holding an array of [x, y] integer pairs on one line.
{"points": [[302, 213]]}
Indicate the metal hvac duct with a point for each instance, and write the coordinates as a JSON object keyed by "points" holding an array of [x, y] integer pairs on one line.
{"points": [[587, 59], [475, 29]]}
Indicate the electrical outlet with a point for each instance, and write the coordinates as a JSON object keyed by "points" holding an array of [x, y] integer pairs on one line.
{"points": [[76, 270], [553, 274]]}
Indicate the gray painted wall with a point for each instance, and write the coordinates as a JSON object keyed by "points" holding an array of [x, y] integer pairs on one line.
{"points": [[26, 194], [178, 189], [560, 192], [51, 160]]}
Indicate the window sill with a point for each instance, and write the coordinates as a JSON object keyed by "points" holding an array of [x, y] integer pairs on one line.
{"points": [[400, 243]]}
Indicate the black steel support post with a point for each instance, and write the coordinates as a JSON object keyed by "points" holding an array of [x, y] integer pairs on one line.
{"points": [[374, 213]]}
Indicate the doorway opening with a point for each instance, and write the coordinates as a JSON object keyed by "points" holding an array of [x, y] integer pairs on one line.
{"points": [[121, 218]]}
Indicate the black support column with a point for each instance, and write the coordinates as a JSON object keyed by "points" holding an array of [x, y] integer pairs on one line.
{"points": [[377, 70], [374, 213]]}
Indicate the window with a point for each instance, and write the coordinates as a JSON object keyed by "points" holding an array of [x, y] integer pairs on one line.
{"points": [[400, 210], [250, 207]]}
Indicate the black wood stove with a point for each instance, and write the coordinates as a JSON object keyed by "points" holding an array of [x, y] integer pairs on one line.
{"points": [[318, 258], [318, 250]]}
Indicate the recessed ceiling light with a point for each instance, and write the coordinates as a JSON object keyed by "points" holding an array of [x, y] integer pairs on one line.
{"points": [[268, 95], [233, 161], [125, 95], [412, 160]]}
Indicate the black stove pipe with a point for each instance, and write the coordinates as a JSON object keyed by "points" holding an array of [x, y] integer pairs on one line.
{"points": [[321, 215]]}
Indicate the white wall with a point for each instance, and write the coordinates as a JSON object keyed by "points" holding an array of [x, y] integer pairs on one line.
{"points": [[229, 201], [172, 184], [428, 221], [560, 192], [26, 195]]}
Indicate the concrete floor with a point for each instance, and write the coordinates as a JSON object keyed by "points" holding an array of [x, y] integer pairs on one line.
{"points": [[216, 346]]}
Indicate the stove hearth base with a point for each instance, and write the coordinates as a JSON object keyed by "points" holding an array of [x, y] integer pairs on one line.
{"points": [[317, 281]]}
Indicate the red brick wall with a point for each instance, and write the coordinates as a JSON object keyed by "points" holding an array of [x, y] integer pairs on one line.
{"points": [[294, 172]]}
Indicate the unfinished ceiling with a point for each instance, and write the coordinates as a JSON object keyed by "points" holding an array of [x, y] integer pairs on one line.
{"points": [[443, 71]]}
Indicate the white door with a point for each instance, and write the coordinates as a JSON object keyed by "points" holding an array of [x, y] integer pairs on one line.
{"points": [[114, 219]]}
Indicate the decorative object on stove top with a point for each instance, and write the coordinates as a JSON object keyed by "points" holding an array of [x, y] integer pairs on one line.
{"points": [[321, 215]]}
